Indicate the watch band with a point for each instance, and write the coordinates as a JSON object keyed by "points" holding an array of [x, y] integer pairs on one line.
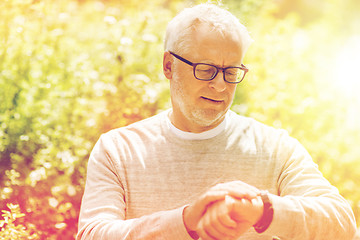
{"points": [[267, 216], [193, 235]]}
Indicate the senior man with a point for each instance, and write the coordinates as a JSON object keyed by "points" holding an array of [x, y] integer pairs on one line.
{"points": [[198, 170]]}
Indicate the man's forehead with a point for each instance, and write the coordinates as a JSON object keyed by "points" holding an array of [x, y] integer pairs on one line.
{"points": [[207, 41]]}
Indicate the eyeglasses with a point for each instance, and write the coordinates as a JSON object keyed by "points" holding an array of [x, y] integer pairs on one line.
{"points": [[207, 72]]}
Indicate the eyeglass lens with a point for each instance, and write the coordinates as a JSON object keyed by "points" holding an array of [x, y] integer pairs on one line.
{"points": [[208, 72]]}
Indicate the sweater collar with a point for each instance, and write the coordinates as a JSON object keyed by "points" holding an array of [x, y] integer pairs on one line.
{"points": [[197, 136]]}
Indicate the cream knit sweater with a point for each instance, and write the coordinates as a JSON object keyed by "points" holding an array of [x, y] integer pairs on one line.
{"points": [[141, 176]]}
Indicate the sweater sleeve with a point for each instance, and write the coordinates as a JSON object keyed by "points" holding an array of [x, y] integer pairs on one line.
{"points": [[307, 206], [103, 208]]}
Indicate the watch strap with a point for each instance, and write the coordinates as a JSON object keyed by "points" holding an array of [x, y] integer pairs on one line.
{"points": [[267, 216]]}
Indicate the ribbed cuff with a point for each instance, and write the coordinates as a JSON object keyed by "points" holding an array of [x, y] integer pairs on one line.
{"points": [[174, 221]]}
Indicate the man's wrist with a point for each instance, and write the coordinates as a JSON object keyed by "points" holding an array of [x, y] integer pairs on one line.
{"points": [[267, 216], [191, 233]]}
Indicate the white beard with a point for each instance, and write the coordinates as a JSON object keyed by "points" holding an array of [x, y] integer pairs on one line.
{"points": [[201, 117]]}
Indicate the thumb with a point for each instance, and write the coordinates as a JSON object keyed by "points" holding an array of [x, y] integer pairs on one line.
{"points": [[194, 212]]}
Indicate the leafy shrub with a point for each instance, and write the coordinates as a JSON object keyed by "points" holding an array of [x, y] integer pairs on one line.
{"points": [[10, 229], [71, 70]]}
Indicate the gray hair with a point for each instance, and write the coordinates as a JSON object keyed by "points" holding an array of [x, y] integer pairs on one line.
{"points": [[182, 26]]}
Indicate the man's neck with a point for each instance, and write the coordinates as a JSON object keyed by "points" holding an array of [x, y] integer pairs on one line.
{"points": [[197, 136], [186, 125]]}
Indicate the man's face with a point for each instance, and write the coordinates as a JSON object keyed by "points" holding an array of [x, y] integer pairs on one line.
{"points": [[201, 105]]}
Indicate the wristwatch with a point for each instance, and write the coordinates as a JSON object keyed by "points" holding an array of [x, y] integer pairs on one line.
{"points": [[267, 216]]}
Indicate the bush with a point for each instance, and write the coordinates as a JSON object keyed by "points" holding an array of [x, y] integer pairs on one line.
{"points": [[71, 70], [10, 229]]}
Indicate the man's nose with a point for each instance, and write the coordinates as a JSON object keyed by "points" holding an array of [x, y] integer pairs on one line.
{"points": [[218, 82]]}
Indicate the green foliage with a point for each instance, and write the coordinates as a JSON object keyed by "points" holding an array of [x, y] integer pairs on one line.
{"points": [[71, 70], [293, 84], [9, 229]]}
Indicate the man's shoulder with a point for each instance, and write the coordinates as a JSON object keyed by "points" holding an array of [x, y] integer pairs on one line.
{"points": [[149, 125], [249, 124], [249, 131]]}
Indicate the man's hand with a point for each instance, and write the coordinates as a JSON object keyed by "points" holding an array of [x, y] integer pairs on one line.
{"points": [[195, 211], [229, 218], [245, 210], [217, 222]]}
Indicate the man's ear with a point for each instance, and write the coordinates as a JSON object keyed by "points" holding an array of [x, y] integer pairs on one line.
{"points": [[168, 65]]}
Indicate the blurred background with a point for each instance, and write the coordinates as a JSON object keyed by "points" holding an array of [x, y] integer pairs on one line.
{"points": [[71, 70]]}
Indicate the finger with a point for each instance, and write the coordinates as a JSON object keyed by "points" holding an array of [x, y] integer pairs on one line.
{"points": [[241, 203], [202, 231], [211, 226], [209, 198], [249, 191], [225, 231], [194, 212], [246, 202], [220, 215], [208, 229], [242, 228], [257, 201], [258, 209], [245, 210], [213, 196], [227, 222], [238, 189], [226, 219]]}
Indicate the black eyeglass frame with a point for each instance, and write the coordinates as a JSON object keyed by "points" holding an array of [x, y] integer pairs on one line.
{"points": [[243, 67]]}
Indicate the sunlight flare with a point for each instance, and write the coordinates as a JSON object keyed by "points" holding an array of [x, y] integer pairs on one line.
{"points": [[348, 67]]}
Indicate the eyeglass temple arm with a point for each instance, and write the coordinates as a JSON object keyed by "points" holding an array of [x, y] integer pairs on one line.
{"points": [[182, 59]]}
